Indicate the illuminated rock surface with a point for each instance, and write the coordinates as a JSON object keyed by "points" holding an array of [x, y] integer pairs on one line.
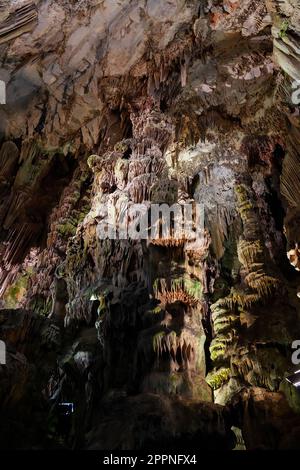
{"points": [[165, 343]]}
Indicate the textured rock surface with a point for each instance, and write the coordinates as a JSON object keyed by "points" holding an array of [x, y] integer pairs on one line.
{"points": [[164, 342]]}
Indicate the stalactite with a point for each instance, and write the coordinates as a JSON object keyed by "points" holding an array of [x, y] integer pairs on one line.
{"points": [[249, 252], [217, 378], [263, 284], [290, 179]]}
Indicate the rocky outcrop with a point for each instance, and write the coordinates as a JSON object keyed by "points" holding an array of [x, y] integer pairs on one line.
{"points": [[17, 20]]}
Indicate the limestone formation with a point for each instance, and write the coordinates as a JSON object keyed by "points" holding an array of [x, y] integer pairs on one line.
{"points": [[178, 338]]}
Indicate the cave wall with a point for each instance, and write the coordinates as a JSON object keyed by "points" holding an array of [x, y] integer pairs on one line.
{"points": [[154, 341]]}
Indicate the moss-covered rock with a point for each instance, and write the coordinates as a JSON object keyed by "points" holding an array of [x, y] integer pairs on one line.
{"points": [[219, 377]]}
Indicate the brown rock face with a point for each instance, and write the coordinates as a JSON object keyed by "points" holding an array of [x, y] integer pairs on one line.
{"points": [[140, 331]]}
